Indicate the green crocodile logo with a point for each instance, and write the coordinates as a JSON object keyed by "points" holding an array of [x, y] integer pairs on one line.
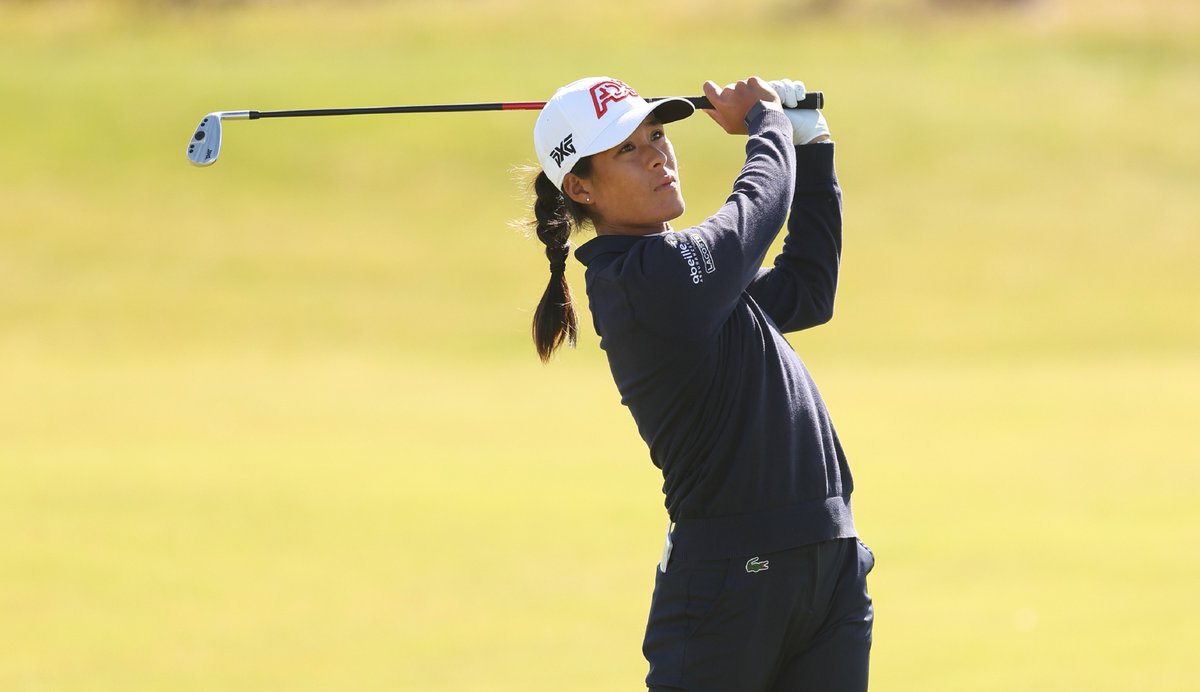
{"points": [[755, 565]]}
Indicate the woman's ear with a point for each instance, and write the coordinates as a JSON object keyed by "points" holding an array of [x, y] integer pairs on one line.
{"points": [[578, 189]]}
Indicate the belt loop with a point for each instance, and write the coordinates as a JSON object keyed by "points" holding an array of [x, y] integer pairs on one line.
{"points": [[667, 547]]}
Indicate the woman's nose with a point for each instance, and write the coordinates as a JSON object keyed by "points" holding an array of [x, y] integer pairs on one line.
{"points": [[658, 157]]}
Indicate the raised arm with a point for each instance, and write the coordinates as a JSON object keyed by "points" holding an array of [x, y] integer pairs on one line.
{"points": [[692, 279], [798, 291]]}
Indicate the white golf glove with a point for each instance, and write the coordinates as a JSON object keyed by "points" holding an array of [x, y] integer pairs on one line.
{"points": [[807, 125]]}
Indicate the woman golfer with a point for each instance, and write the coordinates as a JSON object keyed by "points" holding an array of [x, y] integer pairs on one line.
{"points": [[762, 584]]}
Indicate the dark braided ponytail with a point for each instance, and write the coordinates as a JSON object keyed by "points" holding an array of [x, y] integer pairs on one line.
{"points": [[554, 320]]}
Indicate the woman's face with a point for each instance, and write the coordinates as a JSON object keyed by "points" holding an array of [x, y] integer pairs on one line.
{"points": [[634, 186]]}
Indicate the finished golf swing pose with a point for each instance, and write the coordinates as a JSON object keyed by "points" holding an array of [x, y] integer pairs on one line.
{"points": [[762, 583]]}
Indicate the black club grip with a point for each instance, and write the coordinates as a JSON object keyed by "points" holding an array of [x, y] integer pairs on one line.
{"points": [[813, 100]]}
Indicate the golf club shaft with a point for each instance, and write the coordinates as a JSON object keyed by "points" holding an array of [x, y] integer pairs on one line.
{"points": [[812, 100]]}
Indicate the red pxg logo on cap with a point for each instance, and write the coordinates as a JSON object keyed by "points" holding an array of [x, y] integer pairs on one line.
{"points": [[611, 91]]}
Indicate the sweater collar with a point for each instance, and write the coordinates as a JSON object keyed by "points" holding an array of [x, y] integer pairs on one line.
{"points": [[609, 244]]}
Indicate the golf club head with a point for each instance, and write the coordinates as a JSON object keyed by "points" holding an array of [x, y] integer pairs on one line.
{"points": [[205, 145]]}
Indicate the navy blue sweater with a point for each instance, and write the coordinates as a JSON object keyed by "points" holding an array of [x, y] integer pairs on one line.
{"points": [[693, 325]]}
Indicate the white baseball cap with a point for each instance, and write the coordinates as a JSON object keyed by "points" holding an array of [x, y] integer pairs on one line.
{"points": [[590, 115]]}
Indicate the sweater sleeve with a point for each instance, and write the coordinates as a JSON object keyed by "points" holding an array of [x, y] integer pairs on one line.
{"points": [[798, 291], [684, 285]]}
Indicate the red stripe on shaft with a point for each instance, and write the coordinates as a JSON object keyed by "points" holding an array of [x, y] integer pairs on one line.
{"points": [[523, 106]]}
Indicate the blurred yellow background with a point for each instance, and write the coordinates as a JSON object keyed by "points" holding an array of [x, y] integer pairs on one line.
{"points": [[278, 424]]}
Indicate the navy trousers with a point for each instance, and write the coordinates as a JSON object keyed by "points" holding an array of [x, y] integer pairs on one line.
{"points": [[799, 619]]}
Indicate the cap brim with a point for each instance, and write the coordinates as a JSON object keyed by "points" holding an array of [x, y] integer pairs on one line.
{"points": [[671, 109], [668, 111]]}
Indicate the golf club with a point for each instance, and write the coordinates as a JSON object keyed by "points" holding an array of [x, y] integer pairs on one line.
{"points": [[205, 144]]}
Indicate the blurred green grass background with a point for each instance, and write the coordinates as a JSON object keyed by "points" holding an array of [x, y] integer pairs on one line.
{"points": [[278, 425]]}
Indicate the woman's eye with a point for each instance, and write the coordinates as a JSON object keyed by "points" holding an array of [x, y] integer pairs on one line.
{"points": [[658, 134], [627, 147]]}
